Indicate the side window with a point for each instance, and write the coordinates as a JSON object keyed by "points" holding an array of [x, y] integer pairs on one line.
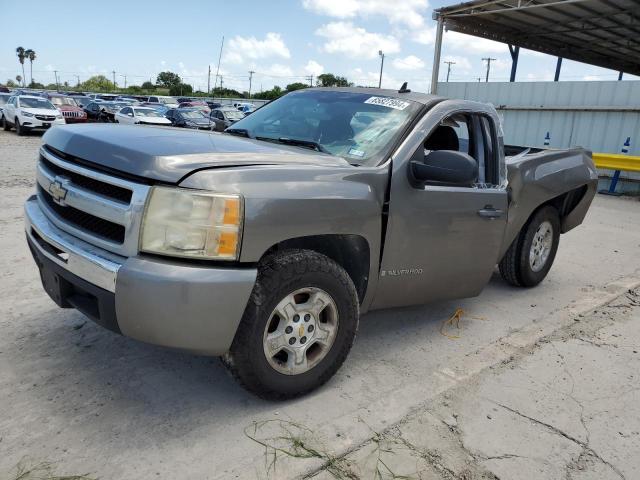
{"points": [[126, 110], [153, 99]]}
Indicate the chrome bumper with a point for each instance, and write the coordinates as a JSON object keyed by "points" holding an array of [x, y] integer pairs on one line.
{"points": [[93, 264]]}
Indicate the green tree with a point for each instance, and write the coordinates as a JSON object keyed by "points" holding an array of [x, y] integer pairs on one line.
{"points": [[31, 55], [148, 86], [168, 79], [20, 52], [331, 80], [180, 89], [296, 86], [97, 83], [11, 84], [35, 84], [227, 92], [272, 94]]}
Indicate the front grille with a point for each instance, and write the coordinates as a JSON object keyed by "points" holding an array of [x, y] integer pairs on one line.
{"points": [[71, 114], [106, 189], [85, 221], [47, 118]]}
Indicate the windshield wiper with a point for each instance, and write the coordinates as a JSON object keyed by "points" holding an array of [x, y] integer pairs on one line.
{"points": [[238, 131], [297, 142]]}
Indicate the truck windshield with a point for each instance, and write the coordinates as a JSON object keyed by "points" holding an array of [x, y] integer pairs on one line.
{"points": [[360, 127]]}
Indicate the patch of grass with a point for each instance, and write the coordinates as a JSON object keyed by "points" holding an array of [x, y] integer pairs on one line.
{"points": [[27, 469]]}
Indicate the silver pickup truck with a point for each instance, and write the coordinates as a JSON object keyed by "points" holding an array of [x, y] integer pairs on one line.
{"points": [[264, 244]]}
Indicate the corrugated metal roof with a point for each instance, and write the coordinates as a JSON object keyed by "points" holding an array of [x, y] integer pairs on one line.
{"points": [[605, 33]]}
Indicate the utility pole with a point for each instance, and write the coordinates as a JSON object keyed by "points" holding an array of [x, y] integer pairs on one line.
{"points": [[125, 81], [78, 86], [114, 79], [311, 80], [55, 72], [209, 81], [479, 78], [218, 68], [488, 60], [251, 72], [381, 66], [449, 63]]}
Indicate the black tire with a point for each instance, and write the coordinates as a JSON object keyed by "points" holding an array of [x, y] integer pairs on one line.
{"points": [[5, 125], [278, 276], [515, 266], [19, 129]]}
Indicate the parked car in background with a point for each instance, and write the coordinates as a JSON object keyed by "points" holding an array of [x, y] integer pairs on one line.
{"points": [[97, 111], [245, 107], [4, 97], [159, 107], [225, 117], [28, 112], [83, 101], [213, 105], [190, 118], [71, 111], [168, 101], [141, 116], [202, 106]]}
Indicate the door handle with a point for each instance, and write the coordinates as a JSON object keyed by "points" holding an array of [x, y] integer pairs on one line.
{"points": [[490, 212]]}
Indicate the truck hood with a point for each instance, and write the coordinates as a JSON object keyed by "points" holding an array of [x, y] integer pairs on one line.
{"points": [[169, 154]]}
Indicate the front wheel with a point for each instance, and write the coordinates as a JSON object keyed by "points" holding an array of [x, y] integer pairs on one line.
{"points": [[530, 256], [5, 125], [19, 128], [298, 327]]}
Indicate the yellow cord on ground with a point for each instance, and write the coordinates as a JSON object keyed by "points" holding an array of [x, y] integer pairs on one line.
{"points": [[454, 321]]}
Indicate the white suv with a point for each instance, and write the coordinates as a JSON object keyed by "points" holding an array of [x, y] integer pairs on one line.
{"points": [[27, 112]]}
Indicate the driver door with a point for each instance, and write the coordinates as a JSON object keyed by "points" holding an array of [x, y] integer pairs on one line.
{"points": [[442, 242]]}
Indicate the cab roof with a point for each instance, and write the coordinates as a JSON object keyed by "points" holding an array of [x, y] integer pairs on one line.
{"points": [[424, 98]]}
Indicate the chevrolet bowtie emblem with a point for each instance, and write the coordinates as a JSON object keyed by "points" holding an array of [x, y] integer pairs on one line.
{"points": [[57, 190]]}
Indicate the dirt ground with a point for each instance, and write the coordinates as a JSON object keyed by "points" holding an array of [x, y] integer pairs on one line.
{"points": [[537, 383]]}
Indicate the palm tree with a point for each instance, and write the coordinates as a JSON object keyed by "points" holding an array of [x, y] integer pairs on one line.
{"points": [[20, 52], [18, 79], [31, 55]]}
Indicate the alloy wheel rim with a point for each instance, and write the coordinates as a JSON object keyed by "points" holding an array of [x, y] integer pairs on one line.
{"points": [[541, 246], [301, 331]]}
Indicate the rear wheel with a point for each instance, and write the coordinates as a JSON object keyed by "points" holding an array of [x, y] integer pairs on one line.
{"points": [[5, 125], [298, 326], [530, 256]]}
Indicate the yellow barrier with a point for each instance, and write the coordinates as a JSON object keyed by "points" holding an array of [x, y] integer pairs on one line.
{"points": [[617, 161]]}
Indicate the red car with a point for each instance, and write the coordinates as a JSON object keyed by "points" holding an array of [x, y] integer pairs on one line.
{"points": [[71, 111]]}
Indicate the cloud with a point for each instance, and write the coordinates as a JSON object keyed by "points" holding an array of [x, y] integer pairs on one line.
{"points": [[313, 68], [460, 41], [241, 49], [405, 12], [425, 36], [355, 42], [408, 63]]}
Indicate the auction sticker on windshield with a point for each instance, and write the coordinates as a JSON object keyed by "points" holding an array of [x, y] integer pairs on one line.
{"points": [[387, 102]]}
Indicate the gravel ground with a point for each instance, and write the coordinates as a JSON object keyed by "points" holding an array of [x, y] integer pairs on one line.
{"points": [[78, 399]]}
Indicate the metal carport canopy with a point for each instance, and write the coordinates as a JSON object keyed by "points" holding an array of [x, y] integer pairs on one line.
{"points": [[605, 33]]}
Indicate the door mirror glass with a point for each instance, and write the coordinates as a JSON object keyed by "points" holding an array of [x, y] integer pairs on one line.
{"points": [[445, 167]]}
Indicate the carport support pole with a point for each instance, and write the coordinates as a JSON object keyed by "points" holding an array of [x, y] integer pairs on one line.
{"points": [[515, 53], [436, 56], [558, 67]]}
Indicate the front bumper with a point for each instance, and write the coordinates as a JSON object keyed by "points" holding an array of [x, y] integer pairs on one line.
{"points": [[190, 307], [33, 123]]}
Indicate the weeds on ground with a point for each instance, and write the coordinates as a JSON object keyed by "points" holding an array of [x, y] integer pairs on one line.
{"points": [[27, 469], [287, 439]]}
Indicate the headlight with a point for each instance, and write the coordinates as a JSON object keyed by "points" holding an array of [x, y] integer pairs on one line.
{"points": [[192, 223], [27, 114], [59, 115]]}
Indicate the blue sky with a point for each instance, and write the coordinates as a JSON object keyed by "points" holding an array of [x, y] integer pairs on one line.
{"points": [[283, 41]]}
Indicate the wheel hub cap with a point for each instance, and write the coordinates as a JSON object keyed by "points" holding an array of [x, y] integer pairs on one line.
{"points": [[300, 331], [541, 246]]}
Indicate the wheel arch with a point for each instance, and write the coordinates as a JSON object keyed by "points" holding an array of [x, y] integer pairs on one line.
{"points": [[350, 251]]}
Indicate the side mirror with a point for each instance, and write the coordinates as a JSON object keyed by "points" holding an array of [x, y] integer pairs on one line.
{"points": [[130, 114], [446, 167]]}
